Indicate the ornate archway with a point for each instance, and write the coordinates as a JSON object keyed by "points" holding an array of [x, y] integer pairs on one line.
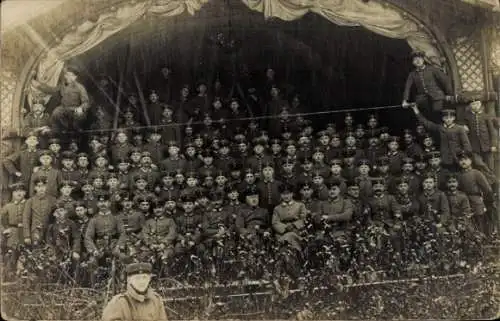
{"points": [[418, 33]]}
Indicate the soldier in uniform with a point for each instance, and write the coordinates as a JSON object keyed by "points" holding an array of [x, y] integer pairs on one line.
{"points": [[11, 219], [395, 156], [288, 220], [412, 148], [63, 235], [407, 201], [53, 176], [139, 302], [68, 169], [433, 87], [189, 225], [21, 163], [363, 179], [82, 166], [460, 208], [252, 218], [475, 185], [104, 236], [215, 223], [319, 187], [208, 168], [166, 188], [132, 220], [101, 167], [174, 160], [434, 205], [453, 138], [121, 148], [374, 150], [38, 120], [349, 170], [434, 169], [135, 158], [257, 161], [336, 149], [288, 174], [269, 187], [160, 231], [37, 211], [66, 197], [192, 161]]}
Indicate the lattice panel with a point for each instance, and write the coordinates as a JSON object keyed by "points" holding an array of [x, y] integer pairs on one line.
{"points": [[467, 55], [7, 89], [495, 50]]}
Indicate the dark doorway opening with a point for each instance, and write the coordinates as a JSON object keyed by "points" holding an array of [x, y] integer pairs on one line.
{"points": [[331, 67]]}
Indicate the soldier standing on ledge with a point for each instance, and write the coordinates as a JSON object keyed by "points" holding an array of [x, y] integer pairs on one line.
{"points": [[139, 301], [433, 87], [72, 111]]}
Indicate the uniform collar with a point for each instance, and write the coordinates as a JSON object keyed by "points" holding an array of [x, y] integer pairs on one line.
{"points": [[268, 181], [108, 212], [286, 204], [20, 202], [138, 297], [450, 126]]}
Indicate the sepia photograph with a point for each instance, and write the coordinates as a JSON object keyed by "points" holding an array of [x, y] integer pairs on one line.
{"points": [[249, 160]]}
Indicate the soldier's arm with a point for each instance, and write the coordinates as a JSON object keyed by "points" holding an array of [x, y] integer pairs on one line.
{"points": [[483, 184], [4, 218], [90, 236], [161, 313], [278, 226], [301, 222], [206, 226], [464, 140], [172, 232], [346, 214], [84, 97], [443, 80], [492, 132], [114, 310], [408, 85], [122, 236], [395, 207], [427, 123], [465, 206], [27, 219], [444, 210], [75, 233], [10, 163]]}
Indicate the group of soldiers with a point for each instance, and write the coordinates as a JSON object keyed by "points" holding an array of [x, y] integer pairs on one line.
{"points": [[203, 176]]}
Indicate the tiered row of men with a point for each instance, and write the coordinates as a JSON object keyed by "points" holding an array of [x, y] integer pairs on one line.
{"points": [[200, 172]]}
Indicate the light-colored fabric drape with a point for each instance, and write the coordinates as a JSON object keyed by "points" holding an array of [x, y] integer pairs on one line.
{"points": [[89, 34], [372, 15]]}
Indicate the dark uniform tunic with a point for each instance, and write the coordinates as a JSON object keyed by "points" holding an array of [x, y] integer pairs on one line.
{"points": [[105, 231], [120, 151], [22, 161], [36, 216], [434, 206], [33, 121], [291, 214], [473, 183], [64, 236], [160, 230], [249, 217], [11, 216]]}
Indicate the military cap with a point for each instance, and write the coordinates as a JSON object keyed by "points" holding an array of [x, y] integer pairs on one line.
{"points": [[80, 155], [215, 196], [168, 174], [267, 164], [305, 160], [285, 188], [232, 187], [239, 137], [188, 144], [124, 196], [220, 173], [348, 153], [45, 152], [103, 196], [407, 131], [318, 149], [258, 141], [68, 155], [135, 149], [68, 183], [335, 182], [352, 183], [286, 135], [433, 154], [382, 160], [112, 175], [123, 160], [19, 186], [142, 198], [158, 203], [372, 116], [384, 130], [139, 176], [179, 171], [191, 174], [235, 166], [251, 190], [54, 141], [464, 154], [275, 141], [448, 112], [206, 153], [363, 162], [60, 204], [188, 198], [40, 180], [101, 156], [317, 173], [336, 161], [419, 158], [377, 180], [400, 180], [322, 133], [451, 176], [138, 268], [408, 160], [249, 170], [145, 154], [223, 143], [173, 143], [305, 185], [416, 54], [393, 139], [335, 135]]}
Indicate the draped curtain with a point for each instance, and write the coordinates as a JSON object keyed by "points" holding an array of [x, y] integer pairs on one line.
{"points": [[371, 15], [90, 34]]}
